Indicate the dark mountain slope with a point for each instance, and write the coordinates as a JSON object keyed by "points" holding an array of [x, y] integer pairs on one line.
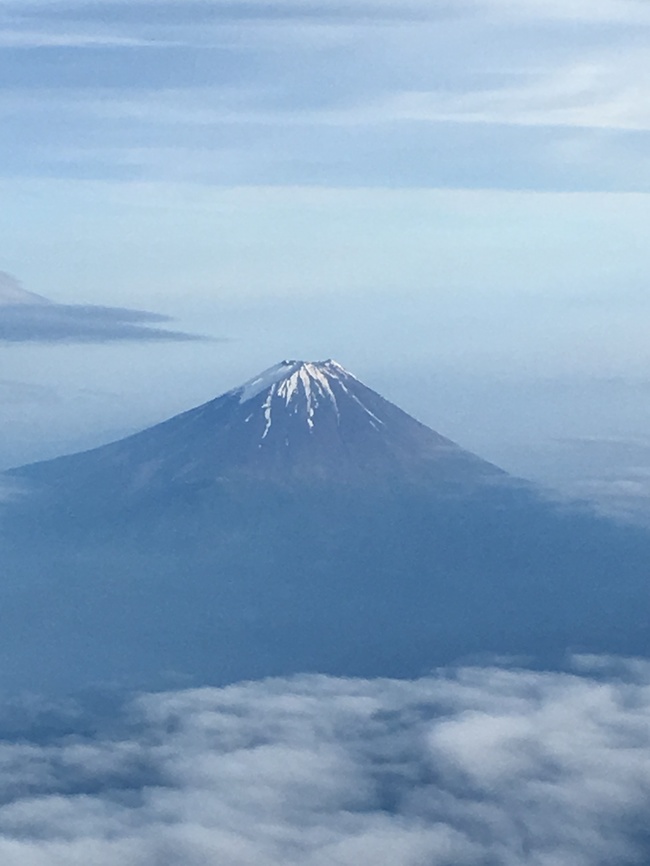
{"points": [[300, 522], [296, 423]]}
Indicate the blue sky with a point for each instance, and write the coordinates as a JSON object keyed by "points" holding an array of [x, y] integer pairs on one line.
{"points": [[450, 198]]}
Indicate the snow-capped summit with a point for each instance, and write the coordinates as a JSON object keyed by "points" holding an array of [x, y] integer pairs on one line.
{"points": [[297, 421], [302, 388], [293, 375]]}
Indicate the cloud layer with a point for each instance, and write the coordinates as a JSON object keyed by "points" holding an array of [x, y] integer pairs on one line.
{"points": [[282, 92], [29, 318], [482, 766], [65, 323]]}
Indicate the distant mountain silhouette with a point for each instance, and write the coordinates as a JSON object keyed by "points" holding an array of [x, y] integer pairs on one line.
{"points": [[13, 294], [300, 522]]}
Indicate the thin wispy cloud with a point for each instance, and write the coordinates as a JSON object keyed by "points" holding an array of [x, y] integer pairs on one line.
{"points": [[38, 39], [597, 96], [16, 392], [29, 318], [479, 766], [603, 96], [587, 10], [65, 323], [613, 473], [596, 11], [213, 80]]}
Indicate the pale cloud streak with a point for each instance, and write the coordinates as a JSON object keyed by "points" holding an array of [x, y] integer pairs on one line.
{"points": [[288, 93], [586, 10], [67, 323], [39, 39], [594, 11], [29, 318], [585, 95]]}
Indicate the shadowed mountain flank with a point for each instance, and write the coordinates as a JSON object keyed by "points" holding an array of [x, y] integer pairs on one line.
{"points": [[300, 522]]}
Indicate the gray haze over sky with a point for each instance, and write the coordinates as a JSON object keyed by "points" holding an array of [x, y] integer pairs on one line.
{"points": [[449, 198]]}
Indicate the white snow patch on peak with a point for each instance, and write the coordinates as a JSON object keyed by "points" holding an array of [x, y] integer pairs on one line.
{"points": [[289, 375], [311, 382], [265, 380]]}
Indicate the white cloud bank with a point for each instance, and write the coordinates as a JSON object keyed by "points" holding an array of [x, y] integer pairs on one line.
{"points": [[483, 766]]}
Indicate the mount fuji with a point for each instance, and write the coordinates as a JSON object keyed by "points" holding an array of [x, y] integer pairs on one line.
{"points": [[300, 522], [297, 422]]}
